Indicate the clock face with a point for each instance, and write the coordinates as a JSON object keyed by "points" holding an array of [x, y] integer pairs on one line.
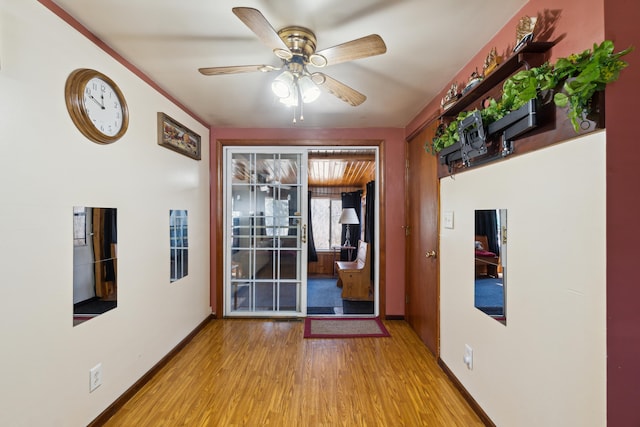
{"points": [[96, 105], [103, 106]]}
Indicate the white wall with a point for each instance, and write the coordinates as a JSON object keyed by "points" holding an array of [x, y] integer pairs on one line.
{"points": [[46, 168], [547, 366]]}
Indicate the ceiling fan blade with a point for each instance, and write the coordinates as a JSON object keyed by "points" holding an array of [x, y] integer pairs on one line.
{"points": [[216, 71], [338, 89], [257, 23], [363, 47]]}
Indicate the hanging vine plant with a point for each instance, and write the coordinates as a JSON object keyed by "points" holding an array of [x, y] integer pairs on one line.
{"points": [[575, 79], [585, 74]]}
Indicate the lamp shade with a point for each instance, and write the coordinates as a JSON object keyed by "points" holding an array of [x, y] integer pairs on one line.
{"points": [[283, 85], [292, 99], [349, 216], [308, 89]]}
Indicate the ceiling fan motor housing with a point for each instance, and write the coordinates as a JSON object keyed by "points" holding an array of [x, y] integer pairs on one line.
{"points": [[299, 40]]}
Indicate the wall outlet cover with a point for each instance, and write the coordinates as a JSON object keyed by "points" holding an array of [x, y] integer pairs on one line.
{"points": [[95, 377], [468, 356]]}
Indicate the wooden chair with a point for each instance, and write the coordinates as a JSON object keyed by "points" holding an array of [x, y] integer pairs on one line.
{"points": [[486, 262], [355, 276]]}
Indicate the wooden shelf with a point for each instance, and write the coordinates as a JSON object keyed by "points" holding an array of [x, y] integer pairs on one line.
{"points": [[531, 54]]}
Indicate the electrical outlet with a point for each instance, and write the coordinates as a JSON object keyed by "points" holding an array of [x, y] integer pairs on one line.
{"points": [[468, 356], [95, 377]]}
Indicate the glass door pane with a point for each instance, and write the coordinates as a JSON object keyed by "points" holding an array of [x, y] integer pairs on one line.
{"points": [[265, 232]]}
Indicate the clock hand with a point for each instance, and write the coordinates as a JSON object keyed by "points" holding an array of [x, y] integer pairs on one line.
{"points": [[101, 105]]}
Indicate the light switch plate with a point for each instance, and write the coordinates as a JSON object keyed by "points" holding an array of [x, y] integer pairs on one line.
{"points": [[448, 219]]}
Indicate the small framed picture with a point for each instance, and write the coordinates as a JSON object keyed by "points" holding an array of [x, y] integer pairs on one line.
{"points": [[177, 137]]}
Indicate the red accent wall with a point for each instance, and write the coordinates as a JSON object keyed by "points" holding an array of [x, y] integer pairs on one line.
{"points": [[621, 19], [393, 178]]}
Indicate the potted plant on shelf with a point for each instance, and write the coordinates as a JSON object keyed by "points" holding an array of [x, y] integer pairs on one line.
{"points": [[574, 79]]}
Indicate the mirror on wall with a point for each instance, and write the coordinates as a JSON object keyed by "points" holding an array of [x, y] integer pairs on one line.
{"points": [[491, 262], [95, 289], [179, 244]]}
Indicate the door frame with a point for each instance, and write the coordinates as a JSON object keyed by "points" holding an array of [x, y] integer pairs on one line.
{"points": [[217, 209]]}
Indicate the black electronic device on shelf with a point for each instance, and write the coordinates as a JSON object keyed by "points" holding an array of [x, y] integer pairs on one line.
{"points": [[475, 139]]}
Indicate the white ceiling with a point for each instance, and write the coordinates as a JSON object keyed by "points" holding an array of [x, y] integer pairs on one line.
{"points": [[428, 41]]}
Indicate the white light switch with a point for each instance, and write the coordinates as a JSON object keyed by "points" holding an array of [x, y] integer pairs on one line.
{"points": [[448, 219]]}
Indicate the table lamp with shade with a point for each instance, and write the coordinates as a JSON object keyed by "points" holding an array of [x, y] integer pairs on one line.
{"points": [[348, 217]]}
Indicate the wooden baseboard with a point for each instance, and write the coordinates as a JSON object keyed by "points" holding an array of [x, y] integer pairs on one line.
{"points": [[394, 317], [101, 419], [467, 396]]}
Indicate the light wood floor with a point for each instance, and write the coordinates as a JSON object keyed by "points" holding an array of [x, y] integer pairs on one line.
{"points": [[263, 372]]}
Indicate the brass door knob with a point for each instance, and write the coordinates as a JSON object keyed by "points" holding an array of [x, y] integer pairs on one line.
{"points": [[430, 254]]}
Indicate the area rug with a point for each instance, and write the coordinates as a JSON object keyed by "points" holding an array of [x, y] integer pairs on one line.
{"points": [[489, 296], [323, 292], [318, 327]]}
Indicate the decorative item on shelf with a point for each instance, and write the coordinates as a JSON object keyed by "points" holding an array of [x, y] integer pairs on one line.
{"points": [[474, 79], [177, 137], [491, 62], [524, 31], [450, 98]]}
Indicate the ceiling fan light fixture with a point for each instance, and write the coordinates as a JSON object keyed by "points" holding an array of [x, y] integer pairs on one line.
{"points": [[292, 99], [284, 85], [296, 47], [308, 89]]}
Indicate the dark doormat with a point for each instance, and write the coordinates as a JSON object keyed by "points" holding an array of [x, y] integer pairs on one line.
{"points": [[320, 310], [94, 306], [357, 307]]}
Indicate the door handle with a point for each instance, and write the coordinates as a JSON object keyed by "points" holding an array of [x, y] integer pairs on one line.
{"points": [[431, 254], [304, 234]]}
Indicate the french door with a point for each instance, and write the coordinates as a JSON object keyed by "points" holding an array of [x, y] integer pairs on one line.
{"points": [[265, 231]]}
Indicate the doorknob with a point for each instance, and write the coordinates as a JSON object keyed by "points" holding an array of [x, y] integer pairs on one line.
{"points": [[431, 254]]}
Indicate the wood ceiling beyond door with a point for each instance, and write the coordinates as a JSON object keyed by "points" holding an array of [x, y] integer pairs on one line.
{"points": [[341, 168]]}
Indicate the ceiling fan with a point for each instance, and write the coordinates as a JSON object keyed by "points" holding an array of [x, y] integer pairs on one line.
{"points": [[296, 47]]}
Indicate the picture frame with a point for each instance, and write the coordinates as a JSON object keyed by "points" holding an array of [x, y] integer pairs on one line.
{"points": [[177, 137]]}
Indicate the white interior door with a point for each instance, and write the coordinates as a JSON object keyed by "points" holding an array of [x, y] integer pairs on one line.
{"points": [[265, 231]]}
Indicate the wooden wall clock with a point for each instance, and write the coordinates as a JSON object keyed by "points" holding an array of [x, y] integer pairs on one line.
{"points": [[96, 106]]}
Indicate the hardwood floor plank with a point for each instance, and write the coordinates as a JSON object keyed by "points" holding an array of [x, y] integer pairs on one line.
{"points": [[263, 372]]}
